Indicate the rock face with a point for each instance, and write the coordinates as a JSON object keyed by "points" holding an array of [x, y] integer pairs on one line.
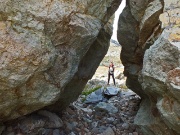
{"points": [[149, 34], [48, 51]]}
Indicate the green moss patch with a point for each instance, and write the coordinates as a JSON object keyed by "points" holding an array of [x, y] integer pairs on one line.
{"points": [[87, 92]]}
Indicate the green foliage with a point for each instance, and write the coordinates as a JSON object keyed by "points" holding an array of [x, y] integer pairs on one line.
{"points": [[87, 92], [83, 99], [123, 87]]}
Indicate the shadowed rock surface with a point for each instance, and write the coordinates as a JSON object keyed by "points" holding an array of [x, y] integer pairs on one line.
{"points": [[49, 50], [149, 35]]}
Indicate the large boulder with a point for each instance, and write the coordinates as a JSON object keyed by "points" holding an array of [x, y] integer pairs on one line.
{"points": [[48, 51], [136, 33], [151, 56]]}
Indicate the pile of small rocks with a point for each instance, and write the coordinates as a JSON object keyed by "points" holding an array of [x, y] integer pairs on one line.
{"points": [[115, 116]]}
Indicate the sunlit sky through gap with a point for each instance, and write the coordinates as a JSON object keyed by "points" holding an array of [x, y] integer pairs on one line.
{"points": [[117, 13]]}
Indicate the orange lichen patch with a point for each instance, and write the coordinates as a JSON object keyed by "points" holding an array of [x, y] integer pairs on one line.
{"points": [[168, 104], [174, 77], [174, 16], [175, 34], [2, 25], [170, 17], [175, 20], [175, 37]]}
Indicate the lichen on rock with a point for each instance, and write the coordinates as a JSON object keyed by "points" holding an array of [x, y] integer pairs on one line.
{"points": [[42, 45], [155, 50]]}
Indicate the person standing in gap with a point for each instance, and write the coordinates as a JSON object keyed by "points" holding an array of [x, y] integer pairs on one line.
{"points": [[111, 72]]}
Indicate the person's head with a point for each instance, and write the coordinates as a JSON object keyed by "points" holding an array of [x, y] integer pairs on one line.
{"points": [[111, 63]]}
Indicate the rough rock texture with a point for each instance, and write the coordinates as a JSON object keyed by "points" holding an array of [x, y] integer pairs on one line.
{"points": [[150, 40], [136, 35], [48, 51]]}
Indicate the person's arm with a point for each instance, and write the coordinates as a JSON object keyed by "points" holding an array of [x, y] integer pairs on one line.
{"points": [[105, 65]]}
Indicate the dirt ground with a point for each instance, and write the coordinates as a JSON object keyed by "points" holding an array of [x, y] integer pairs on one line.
{"points": [[103, 71]]}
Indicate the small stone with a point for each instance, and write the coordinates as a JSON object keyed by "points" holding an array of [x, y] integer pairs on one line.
{"points": [[119, 125], [126, 104], [81, 126], [83, 96], [56, 132], [54, 120], [112, 115], [46, 131], [102, 128], [69, 126], [108, 131], [115, 122], [135, 133], [70, 111], [86, 130], [94, 124], [114, 128], [110, 120], [89, 133], [87, 110], [72, 133], [87, 120], [77, 129], [95, 130], [106, 107], [85, 124], [125, 126]]}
